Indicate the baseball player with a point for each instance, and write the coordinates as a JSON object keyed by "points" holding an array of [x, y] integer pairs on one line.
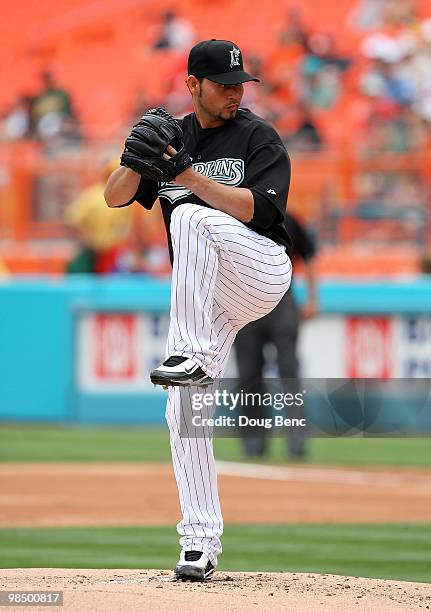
{"points": [[223, 182]]}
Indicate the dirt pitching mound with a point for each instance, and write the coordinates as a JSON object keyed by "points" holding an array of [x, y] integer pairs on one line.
{"points": [[125, 590]]}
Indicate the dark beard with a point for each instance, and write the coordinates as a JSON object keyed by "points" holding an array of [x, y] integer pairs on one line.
{"points": [[218, 117]]}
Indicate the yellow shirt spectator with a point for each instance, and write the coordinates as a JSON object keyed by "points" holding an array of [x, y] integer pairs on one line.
{"points": [[98, 227]]}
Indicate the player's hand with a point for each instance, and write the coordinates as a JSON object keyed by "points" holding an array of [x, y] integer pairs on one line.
{"points": [[170, 152], [309, 311]]}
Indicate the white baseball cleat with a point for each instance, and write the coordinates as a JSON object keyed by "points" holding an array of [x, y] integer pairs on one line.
{"points": [[179, 371], [194, 565]]}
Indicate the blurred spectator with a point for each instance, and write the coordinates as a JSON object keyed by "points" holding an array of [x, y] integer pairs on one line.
{"points": [[396, 78], [322, 70], [52, 114], [320, 86], [322, 51], [294, 31], [281, 68], [17, 121], [176, 33], [373, 14], [397, 130], [279, 328], [386, 79], [367, 14], [388, 91], [100, 231], [398, 13], [306, 137], [52, 99]]}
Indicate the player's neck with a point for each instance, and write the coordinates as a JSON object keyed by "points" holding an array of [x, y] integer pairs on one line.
{"points": [[207, 121]]}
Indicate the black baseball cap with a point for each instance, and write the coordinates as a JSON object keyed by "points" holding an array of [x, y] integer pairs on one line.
{"points": [[219, 61]]}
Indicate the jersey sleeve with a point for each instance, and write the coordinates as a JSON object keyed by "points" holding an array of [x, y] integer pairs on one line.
{"points": [[303, 244], [267, 176], [146, 194]]}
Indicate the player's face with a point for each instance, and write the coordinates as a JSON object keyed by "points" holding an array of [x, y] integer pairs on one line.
{"points": [[217, 102]]}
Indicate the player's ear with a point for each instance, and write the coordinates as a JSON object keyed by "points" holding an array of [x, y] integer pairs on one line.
{"points": [[193, 84]]}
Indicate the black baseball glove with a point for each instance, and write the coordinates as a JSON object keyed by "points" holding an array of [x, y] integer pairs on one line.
{"points": [[147, 142]]}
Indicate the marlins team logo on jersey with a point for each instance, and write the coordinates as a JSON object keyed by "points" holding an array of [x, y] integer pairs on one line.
{"points": [[234, 57], [228, 171]]}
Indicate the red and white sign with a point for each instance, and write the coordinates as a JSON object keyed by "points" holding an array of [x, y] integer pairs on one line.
{"points": [[369, 347], [116, 351], [116, 354]]}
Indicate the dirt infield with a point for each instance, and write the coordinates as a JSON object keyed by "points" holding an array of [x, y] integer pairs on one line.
{"points": [[125, 590], [70, 494]]}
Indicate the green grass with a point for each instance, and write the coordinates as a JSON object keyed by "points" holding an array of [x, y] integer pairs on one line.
{"points": [[400, 552], [74, 443]]}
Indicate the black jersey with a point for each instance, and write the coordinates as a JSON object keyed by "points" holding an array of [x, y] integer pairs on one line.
{"points": [[243, 152]]}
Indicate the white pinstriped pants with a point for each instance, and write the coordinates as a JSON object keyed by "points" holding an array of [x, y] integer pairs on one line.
{"points": [[224, 276]]}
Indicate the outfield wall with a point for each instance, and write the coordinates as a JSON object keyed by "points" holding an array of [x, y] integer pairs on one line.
{"points": [[79, 349]]}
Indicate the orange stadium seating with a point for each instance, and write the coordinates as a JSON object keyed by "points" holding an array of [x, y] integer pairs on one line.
{"points": [[100, 51], [99, 48]]}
